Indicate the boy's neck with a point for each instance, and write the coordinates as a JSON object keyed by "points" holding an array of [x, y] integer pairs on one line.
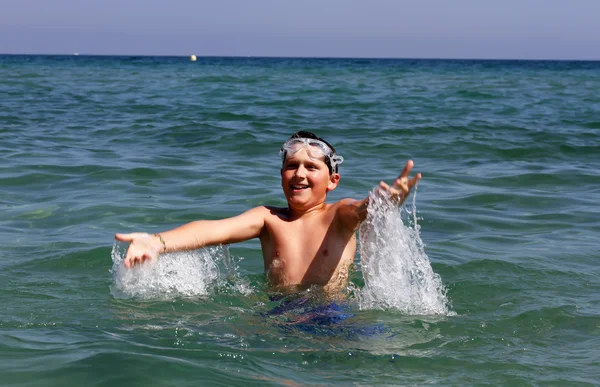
{"points": [[297, 213]]}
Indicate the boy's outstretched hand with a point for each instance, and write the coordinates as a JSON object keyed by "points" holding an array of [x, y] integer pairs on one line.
{"points": [[400, 190], [142, 247]]}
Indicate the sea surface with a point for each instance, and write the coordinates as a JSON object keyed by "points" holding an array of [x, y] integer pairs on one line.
{"points": [[489, 274]]}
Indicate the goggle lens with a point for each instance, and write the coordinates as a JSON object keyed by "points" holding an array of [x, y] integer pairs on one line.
{"points": [[315, 149]]}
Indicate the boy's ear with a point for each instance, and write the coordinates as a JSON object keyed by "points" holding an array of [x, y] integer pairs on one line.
{"points": [[334, 180]]}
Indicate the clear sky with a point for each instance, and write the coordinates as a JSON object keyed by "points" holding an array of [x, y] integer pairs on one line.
{"points": [[515, 29]]}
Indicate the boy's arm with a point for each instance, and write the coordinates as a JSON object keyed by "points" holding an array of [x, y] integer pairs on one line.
{"points": [[352, 212], [193, 235]]}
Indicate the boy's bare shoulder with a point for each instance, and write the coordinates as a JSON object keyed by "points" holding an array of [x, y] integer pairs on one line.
{"points": [[279, 212], [347, 203], [350, 213]]}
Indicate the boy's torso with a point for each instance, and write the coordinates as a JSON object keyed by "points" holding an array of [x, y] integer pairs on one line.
{"points": [[311, 250]]}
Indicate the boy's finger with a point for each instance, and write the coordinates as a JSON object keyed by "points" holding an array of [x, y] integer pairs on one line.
{"points": [[401, 182], [129, 259], [414, 180], [407, 168], [130, 237], [124, 237]]}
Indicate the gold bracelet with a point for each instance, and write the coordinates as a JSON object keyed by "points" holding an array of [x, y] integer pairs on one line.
{"points": [[162, 241]]}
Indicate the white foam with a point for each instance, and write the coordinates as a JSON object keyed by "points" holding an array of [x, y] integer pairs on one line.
{"points": [[183, 274], [397, 272]]}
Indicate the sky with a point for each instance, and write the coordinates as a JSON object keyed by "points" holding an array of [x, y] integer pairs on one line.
{"points": [[486, 29]]}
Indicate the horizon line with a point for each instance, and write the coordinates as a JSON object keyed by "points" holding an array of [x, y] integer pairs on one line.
{"points": [[302, 57]]}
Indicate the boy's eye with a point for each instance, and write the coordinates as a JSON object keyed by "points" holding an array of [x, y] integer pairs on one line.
{"points": [[296, 165]]}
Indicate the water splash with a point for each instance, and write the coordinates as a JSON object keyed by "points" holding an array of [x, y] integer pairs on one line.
{"points": [[182, 274], [397, 272], [232, 279]]}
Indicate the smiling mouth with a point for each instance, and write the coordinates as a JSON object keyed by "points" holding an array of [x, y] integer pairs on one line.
{"points": [[298, 187]]}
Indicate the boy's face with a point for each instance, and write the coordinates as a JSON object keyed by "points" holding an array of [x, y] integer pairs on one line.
{"points": [[306, 181]]}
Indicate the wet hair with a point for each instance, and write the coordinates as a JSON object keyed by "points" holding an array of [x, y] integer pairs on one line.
{"points": [[311, 135]]}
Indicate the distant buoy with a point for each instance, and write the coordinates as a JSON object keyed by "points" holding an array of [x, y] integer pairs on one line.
{"points": [[193, 58]]}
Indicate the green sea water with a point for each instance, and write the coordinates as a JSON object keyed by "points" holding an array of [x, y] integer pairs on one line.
{"points": [[506, 217]]}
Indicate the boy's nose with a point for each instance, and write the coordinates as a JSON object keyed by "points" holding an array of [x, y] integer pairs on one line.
{"points": [[301, 171]]}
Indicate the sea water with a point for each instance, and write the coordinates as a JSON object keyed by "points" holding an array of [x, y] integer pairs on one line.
{"points": [[488, 276]]}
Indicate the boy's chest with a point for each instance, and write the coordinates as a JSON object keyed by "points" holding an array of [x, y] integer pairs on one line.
{"points": [[309, 237], [303, 253]]}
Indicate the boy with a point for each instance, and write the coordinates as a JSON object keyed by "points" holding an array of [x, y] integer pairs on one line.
{"points": [[308, 243]]}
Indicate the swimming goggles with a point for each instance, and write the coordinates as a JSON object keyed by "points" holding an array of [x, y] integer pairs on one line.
{"points": [[315, 149]]}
